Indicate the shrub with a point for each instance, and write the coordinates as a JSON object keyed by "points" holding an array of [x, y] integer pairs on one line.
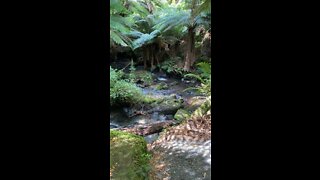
{"points": [[122, 91], [170, 67], [204, 76]]}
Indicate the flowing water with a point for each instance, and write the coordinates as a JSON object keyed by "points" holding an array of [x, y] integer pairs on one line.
{"points": [[120, 119]]}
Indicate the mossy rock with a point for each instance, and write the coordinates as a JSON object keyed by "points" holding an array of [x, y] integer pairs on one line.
{"points": [[149, 99], [167, 106], [181, 115], [129, 158], [162, 86], [194, 103]]}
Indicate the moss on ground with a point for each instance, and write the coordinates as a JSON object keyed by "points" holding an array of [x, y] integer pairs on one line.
{"points": [[204, 109], [150, 99], [162, 86], [129, 158], [181, 115]]}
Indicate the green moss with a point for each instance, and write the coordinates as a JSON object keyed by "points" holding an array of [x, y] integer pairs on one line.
{"points": [[168, 105], [161, 86], [149, 99], [203, 109], [129, 158], [181, 115]]}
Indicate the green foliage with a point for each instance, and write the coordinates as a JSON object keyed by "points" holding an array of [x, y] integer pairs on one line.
{"points": [[115, 76], [170, 67], [136, 23], [171, 18], [144, 39], [204, 76], [187, 13], [122, 91], [132, 76], [141, 76], [119, 24], [205, 69], [204, 7], [145, 77]]}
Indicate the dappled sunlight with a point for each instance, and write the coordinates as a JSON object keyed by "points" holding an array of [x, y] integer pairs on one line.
{"points": [[185, 161], [160, 85], [185, 150], [191, 150]]}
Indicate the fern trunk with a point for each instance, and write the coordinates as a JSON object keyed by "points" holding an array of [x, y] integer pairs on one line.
{"points": [[146, 58], [190, 56], [152, 57]]}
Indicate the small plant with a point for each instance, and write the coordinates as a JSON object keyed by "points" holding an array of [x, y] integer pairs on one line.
{"points": [[204, 77], [170, 67], [132, 69]]}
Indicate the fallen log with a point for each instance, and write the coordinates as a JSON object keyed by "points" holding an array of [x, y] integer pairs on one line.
{"points": [[144, 130]]}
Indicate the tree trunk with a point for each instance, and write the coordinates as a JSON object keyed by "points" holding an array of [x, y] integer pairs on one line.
{"points": [[190, 56], [157, 58], [146, 58], [152, 57]]}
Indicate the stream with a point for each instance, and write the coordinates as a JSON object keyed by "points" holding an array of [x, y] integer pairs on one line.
{"points": [[120, 119]]}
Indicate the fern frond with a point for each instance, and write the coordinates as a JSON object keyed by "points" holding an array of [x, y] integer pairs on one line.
{"points": [[205, 68], [118, 23], [204, 7], [116, 6], [171, 19], [195, 76], [118, 38], [145, 39]]}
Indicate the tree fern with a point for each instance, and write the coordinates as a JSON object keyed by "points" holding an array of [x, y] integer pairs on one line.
{"points": [[118, 38], [145, 39], [204, 7], [172, 18]]}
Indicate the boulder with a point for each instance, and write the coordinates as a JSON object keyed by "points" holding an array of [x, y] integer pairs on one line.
{"points": [[167, 106], [128, 156]]}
